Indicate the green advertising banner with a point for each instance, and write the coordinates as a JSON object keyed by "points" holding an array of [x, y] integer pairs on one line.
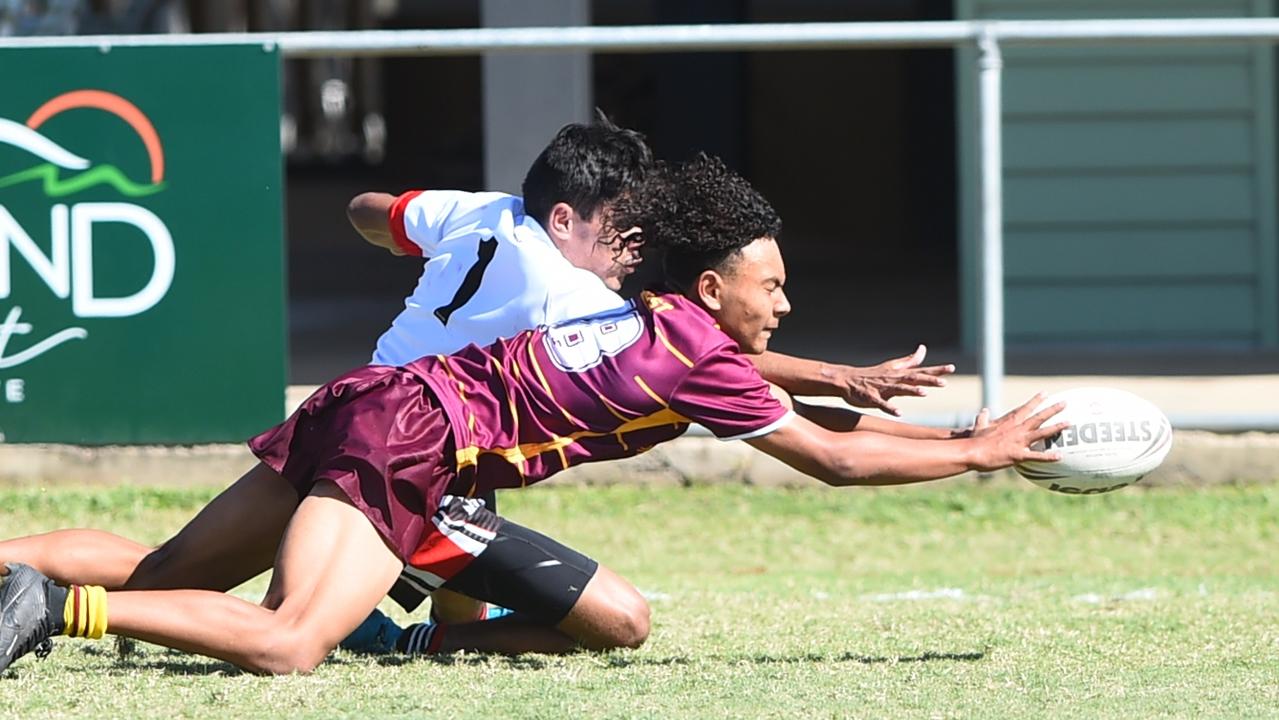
{"points": [[141, 245]]}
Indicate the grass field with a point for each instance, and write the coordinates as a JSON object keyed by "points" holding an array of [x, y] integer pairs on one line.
{"points": [[962, 599]]}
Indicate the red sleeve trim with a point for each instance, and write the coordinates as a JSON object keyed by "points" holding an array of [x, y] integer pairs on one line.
{"points": [[396, 222]]}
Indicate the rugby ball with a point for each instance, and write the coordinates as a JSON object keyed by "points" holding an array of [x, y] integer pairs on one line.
{"points": [[1114, 439]]}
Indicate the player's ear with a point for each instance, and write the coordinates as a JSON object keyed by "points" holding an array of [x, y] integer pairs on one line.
{"points": [[559, 222], [710, 290]]}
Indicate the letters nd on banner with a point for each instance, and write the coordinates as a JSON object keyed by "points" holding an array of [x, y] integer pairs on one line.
{"points": [[141, 252]]}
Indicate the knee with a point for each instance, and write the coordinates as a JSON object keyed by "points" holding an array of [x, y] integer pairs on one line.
{"points": [[630, 623], [287, 653], [151, 570], [636, 623]]}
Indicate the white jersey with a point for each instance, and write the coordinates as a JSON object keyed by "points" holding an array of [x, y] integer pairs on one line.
{"points": [[492, 272]]}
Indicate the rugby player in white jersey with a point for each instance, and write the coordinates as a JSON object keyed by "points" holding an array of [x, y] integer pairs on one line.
{"points": [[498, 264]]}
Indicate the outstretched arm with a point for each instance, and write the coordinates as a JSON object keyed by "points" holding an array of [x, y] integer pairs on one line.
{"points": [[869, 387], [369, 214], [840, 419], [872, 458]]}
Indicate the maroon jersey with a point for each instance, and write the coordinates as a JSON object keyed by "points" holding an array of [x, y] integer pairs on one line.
{"points": [[601, 387]]}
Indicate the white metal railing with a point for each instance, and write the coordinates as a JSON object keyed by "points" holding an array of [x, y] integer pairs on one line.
{"points": [[692, 38], [987, 35]]}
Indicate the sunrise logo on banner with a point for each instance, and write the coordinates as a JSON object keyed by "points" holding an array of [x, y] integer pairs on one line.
{"points": [[141, 245], [67, 269]]}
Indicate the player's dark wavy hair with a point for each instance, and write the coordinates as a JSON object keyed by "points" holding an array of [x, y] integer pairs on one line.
{"points": [[699, 214], [587, 166]]}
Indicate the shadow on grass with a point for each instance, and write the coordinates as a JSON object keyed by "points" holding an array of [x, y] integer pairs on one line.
{"points": [[126, 659], [928, 656], [177, 663], [520, 662]]}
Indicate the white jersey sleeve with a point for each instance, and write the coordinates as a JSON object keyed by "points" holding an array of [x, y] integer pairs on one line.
{"points": [[419, 220], [492, 273]]}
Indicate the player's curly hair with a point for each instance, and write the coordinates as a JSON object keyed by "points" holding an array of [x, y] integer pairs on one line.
{"points": [[699, 214], [587, 166]]}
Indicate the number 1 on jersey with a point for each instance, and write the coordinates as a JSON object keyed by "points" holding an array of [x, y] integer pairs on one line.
{"points": [[470, 283]]}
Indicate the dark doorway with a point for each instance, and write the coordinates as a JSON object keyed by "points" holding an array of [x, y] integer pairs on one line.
{"points": [[856, 150]]}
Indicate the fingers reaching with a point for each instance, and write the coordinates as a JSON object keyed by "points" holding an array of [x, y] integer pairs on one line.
{"points": [[881, 403], [937, 370], [917, 357], [914, 384], [907, 361], [983, 419], [896, 389], [1023, 411], [1035, 455], [1042, 416], [1044, 433], [922, 378]]}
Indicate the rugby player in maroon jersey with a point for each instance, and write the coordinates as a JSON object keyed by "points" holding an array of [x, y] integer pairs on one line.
{"points": [[372, 474], [548, 257]]}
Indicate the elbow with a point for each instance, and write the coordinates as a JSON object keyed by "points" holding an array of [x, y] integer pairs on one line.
{"points": [[842, 471], [851, 470], [359, 210]]}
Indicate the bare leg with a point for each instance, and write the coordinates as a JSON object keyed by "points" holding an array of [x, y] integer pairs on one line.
{"points": [[331, 571], [233, 539], [610, 614], [450, 607], [83, 557]]}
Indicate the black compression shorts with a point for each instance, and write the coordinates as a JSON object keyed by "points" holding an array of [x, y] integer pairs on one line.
{"points": [[512, 566]]}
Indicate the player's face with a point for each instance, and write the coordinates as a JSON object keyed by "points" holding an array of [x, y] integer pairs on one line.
{"points": [[595, 246], [750, 300]]}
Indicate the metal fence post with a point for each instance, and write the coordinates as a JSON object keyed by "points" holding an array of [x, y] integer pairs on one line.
{"points": [[990, 65]]}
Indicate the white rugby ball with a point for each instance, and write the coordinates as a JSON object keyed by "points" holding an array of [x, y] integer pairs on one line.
{"points": [[1114, 439]]}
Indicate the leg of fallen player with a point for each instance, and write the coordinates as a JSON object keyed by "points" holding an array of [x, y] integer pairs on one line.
{"points": [[562, 600], [331, 570], [85, 557], [609, 614], [231, 540], [450, 607]]}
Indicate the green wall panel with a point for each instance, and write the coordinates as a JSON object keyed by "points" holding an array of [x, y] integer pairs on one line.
{"points": [[1134, 177], [1055, 144], [1127, 88], [1096, 198], [1167, 311], [1148, 254], [1076, 9]]}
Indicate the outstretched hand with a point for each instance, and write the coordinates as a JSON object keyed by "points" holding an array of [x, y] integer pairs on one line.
{"points": [[983, 425], [874, 386], [1007, 441]]}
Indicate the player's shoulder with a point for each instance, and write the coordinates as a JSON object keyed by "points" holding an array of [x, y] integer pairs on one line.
{"points": [[463, 201], [480, 217], [685, 325], [458, 213], [572, 293]]}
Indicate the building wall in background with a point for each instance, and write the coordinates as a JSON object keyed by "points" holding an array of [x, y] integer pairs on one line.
{"points": [[1139, 184]]}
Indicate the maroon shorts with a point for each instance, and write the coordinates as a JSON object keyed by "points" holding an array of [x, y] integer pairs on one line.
{"points": [[379, 434]]}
